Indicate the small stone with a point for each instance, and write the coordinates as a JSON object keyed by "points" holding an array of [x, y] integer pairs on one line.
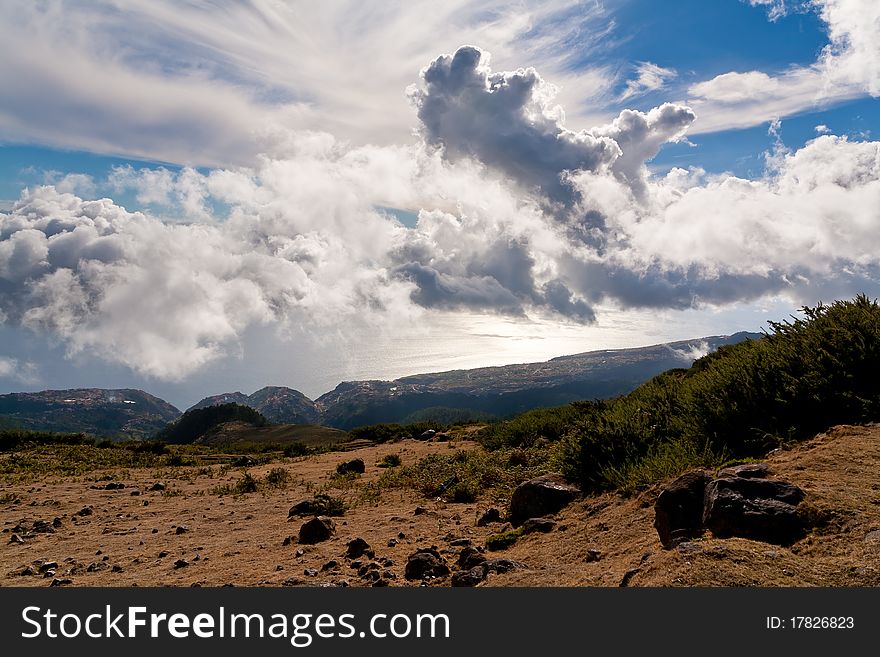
{"points": [[420, 510], [181, 563], [116, 568], [470, 577], [392, 542], [310, 572], [181, 529], [287, 540], [330, 565], [543, 525], [299, 552], [593, 555], [48, 565], [158, 486], [85, 511], [15, 538], [135, 493], [491, 515], [61, 582], [163, 554]]}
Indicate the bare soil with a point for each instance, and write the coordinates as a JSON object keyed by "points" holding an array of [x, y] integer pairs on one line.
{"points": [[135, 539]]}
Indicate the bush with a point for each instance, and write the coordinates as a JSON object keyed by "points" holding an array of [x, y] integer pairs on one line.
{"points": [[296, 449], [801, 378], [391, 432], [247, 484], [389, 461], [277, 477], [11, 439]]}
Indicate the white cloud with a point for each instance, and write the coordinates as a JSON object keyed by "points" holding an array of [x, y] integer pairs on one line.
{"points": [[822, 129], [517, 214], [193, 84], [848, 67], [15, 370], [776, 8], [649, 77]]}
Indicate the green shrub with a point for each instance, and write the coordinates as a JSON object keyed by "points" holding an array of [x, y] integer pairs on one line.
{"points": [[801, 378], [296, 449]]}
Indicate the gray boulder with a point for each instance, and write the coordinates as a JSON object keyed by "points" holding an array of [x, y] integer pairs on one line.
{"points": [[355, 465], [540, 497], [678, 511], [759, 509]]}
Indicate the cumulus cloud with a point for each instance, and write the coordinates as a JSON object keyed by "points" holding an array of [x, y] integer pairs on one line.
{"points": [[517, 214], [508, 121]]}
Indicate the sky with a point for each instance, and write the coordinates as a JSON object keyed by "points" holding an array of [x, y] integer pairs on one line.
{"points": [[202, 197]]}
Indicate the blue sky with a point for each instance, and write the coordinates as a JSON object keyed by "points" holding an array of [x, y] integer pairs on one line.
{"points": [[325, 180]]}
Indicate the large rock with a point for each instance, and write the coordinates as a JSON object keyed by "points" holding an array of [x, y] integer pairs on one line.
{"points": [[759, 509], [355, 465], [540, 497], [424, 564], [356, 548], [318, 529], [678, 511]]}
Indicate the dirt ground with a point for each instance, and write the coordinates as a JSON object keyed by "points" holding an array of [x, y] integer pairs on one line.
{"points": [[133, 539]]}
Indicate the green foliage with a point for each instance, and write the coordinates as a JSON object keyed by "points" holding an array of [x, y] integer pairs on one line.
{"points": [[504, 540], [803, 376], [476, 471], [296, 449], [391, 432], [12, 439], [200, 421], [531, 427]]}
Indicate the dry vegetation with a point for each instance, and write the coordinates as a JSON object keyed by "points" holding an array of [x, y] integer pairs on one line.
{"points": [[234, 533]]}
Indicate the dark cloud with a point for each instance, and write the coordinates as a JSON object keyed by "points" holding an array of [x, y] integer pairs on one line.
{"points": [[506, 121]]}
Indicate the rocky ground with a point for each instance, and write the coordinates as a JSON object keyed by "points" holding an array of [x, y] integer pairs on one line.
{"points": [[89, 531]]}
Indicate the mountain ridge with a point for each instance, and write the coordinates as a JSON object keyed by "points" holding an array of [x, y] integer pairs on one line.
{"points": [[501, 391]]}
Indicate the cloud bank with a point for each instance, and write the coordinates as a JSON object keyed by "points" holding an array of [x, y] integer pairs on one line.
{"points": [[517, 215]]}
